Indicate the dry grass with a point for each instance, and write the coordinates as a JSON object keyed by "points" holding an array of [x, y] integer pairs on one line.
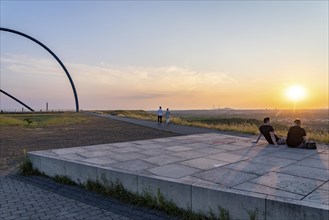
{"points": [[41, 120], [248, 126]]}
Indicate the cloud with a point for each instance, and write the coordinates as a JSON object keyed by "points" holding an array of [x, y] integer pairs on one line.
{"points": [[135, 82], [30, 65], [147, 96], [155, 78]]}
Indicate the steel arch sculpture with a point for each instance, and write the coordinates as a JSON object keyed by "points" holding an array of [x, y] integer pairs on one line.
{"points": [[54, 55], [17, 100]]}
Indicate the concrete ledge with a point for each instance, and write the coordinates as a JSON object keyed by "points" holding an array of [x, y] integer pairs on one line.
{"points": [[129, 181], [178, 192], [283, 208], [311, 212], [200, 198], [80, 173], [185, 175], [48, 165], [239, 204]]}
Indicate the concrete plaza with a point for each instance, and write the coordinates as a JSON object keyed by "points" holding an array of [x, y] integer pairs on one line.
{"points": [[205, 172]]}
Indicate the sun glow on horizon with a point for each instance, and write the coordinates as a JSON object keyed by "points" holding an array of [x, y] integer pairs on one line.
{"points": [[296, 93]]}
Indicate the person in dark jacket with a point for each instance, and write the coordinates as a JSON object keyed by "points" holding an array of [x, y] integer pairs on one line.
{"points": [[296, 135]]}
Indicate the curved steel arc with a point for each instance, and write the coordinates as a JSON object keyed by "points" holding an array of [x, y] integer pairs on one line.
{"points": [[17, 100], [54, 55]]}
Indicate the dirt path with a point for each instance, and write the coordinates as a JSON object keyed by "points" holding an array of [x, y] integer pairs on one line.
{"points": [[15, 140]]}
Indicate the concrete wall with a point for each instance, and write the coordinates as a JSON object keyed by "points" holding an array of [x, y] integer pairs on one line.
{"points": [[199, 198]]}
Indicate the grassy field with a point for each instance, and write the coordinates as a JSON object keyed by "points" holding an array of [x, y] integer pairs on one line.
{"points": [[237, 123], [41, 120]]}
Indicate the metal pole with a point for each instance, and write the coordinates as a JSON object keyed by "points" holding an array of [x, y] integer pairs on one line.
{"points": [[54, 55], [17, 100]]}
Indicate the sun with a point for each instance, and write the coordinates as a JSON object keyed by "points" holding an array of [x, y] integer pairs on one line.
{"points": [[295, 93]]}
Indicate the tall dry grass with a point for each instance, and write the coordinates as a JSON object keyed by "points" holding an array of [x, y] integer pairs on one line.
{"points": [[248, 126]]}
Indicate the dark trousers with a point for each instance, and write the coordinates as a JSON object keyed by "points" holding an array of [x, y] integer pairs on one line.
{"points": [[159, 119]]}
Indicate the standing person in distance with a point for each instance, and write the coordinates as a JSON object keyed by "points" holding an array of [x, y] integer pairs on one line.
{"points": [[267, 131], [167, 116], [160, 113]]}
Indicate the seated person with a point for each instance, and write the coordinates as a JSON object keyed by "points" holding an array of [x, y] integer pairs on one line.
{"points": [[267, 131], [296, 135]]}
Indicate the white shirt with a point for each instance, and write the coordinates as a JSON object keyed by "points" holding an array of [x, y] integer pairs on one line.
{"points": [[159, 112]]}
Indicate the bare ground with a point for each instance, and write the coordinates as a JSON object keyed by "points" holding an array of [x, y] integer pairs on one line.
{"points": [[15, 140]]}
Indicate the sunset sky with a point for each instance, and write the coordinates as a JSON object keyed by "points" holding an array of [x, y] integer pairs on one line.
{"points": [[182, 55]]}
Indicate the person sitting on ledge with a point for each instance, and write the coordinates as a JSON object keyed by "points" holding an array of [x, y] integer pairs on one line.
{"points": [[267, 131], [297, 135]]}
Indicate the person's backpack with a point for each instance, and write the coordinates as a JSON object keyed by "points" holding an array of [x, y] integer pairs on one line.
{"points": [[310, 145]]}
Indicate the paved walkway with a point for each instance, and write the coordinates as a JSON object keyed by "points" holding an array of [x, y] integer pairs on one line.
{"points": [[36, 197], [178, 129]]}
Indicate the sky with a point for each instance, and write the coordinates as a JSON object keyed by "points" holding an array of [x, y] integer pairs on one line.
{"points": [[177, 54]]}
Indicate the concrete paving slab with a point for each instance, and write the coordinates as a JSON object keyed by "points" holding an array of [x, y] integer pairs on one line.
{"points": [[46, 152], [100, 160], [174, 171], [321, 156], [155, 152], [194, 180], [318, 196], [204, 163], [73, 157], [198, 145], [294, 184], [70, 150], [127, 156], [228, 157], [253, 151], [162, 140], [243, 143], [95, 153], [302, 151], [144, 142], [170, 144], [203, 171], [124, 144], [288, 155], [125, 149], [189, 154], [224, 176], [229, 147], [178, 148], [99, 147], [274, 161], [325, 186], [210, 150], [150, 146], [190, 141], [308, 172], [162, 159], [133, 165], [251, 167], [316, 163]]}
